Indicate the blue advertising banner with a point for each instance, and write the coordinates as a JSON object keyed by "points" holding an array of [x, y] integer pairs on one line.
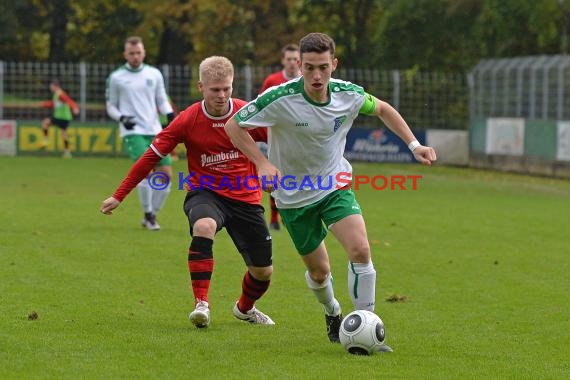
{"points": [[379, 145]]}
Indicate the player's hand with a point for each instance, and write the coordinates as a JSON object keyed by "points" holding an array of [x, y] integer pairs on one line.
{"points": [[109, 205], [425, 154], [128, 121], [76, 111], [269, 177]]}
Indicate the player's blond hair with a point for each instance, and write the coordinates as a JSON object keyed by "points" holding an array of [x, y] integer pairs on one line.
{"points": [[216, 68]]}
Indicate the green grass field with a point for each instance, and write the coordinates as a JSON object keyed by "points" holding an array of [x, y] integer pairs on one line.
{"points": [[482, 257]]}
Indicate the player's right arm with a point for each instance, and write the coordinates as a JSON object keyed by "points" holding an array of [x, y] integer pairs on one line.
{"points": [[163, 144], [138, 172]]}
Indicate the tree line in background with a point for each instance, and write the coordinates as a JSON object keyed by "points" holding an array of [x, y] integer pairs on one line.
{"points": [[426, 35]]}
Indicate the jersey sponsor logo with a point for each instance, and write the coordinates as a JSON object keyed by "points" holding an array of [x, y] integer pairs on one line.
{"points": [[301, 124], [247, 111], [214, 159], [218, 125], [338, 122]]}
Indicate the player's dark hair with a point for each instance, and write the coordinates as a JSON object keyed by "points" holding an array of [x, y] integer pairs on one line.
{"points": [[289, 47], [54, 81], [134, 40], [317, 43]]}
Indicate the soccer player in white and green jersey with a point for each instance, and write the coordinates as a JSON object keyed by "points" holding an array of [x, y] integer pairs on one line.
{"points": [[134, 92], [308, 120]]}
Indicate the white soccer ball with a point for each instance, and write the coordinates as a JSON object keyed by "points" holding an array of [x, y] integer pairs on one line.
{"points": [[362, 332]]}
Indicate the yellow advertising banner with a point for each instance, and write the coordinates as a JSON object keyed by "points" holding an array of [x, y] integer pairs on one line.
{"points": [[83, 139]]}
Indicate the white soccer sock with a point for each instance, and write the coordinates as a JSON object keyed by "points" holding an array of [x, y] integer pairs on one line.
{"points": [[145, 195], [324, 293], [159, 197], [362, 285]]}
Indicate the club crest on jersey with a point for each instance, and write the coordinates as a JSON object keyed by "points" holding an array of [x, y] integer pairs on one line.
{"points": [[149, 82], [338, 122], [247, 111]]}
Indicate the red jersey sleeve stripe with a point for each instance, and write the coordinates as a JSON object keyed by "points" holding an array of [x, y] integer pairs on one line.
{"points": [[156, 151]]}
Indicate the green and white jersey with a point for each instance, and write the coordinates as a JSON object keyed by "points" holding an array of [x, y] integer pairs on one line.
{"points": [[140, 93], [307, 139]]}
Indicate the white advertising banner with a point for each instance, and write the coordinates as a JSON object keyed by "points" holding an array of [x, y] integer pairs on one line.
{"points": [[505, 136], [7, 137], [563, 141], [451, 147]]}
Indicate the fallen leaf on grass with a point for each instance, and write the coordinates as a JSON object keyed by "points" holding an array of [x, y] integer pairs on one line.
{"points": [[397, 298]]}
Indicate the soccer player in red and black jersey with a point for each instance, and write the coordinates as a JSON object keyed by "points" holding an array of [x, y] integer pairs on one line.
{"points": [[63, 110], [290, 58], [223, 191]]}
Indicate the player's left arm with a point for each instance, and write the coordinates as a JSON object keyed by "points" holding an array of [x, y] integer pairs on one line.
{"points": [[162, 102], [47, 104], [244, 141], [393, 120]]}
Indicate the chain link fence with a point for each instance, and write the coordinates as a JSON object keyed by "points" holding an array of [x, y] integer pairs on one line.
{"points": [[426, 100], [536, 88]]}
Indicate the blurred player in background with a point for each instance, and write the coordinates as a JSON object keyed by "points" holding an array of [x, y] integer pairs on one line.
{"points": [[164, 122], [226, 203], [134, 92], [309, 119], [63, 110], [290, 59]]}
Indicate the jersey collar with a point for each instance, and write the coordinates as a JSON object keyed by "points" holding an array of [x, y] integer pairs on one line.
{"points": [[228, 114], [133, 70], [311, 101]]}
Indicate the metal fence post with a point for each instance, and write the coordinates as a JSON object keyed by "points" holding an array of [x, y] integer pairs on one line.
{"points": [[481, 69], [524, 62], [510, 66], [545, 85], [83, 91], [1, 90], [396, 89], [165, 69], [248, 82], [471, 91], [532, 90], [560, 92]]}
